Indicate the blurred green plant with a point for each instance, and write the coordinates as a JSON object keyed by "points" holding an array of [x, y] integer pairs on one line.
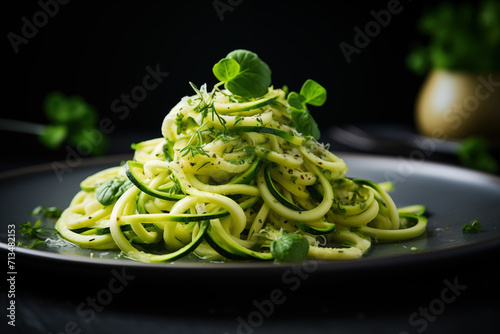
{"points": [[463, 36], [70, 117], [71, 120], [474, 152]]}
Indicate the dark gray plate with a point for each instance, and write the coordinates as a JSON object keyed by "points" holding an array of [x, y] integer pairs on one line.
{"points": [[454, 196]]}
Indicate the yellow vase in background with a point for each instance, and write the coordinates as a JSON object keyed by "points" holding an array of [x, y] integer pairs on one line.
{"points": [[455, 105]]}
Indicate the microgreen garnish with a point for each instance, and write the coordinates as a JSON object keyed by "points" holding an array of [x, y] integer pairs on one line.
{"points": [[311, 93], [243, 73], [205, 106]]}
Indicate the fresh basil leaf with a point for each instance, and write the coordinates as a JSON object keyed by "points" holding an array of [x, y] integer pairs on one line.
{"points": [[226, 69], [253, 78], [108, 192], [290, 247], [313, 93]]}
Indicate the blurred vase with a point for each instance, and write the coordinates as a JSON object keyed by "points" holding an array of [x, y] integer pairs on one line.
{"points": [[454, 105]]}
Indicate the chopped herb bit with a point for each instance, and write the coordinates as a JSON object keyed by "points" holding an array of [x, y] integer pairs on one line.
{"points": [[472, 227]]}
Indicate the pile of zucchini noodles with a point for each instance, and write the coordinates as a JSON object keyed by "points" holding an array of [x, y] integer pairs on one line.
{"points": [[225, 180]]}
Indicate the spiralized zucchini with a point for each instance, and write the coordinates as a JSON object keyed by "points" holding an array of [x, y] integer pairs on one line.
{"points": [[227, 178]]}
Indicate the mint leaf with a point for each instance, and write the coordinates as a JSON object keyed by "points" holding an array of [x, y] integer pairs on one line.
{"points": [[252, 79]]}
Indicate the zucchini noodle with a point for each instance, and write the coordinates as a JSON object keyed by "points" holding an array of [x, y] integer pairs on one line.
{"points": [[227, 178]]}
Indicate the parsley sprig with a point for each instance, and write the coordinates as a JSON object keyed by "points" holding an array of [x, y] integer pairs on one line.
{"points": [[36, 234]]}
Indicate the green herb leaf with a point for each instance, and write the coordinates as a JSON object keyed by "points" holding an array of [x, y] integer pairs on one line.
{"points": [[34, 234], [251, 79], [33, 243], [290, 247], [305, 123], [31, 231], [472, 227], [168, 150], [194, 150], [226, 69], [313, 93], [108, 192], [296, 101]]}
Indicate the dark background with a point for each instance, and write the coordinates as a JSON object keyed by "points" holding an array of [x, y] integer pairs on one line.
{"points": [[99, 50]]}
